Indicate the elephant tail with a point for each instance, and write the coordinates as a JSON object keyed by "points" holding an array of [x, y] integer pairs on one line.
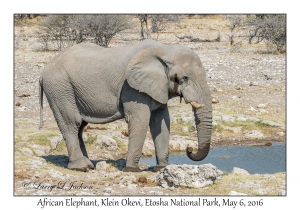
{"points": [[41, 90]]}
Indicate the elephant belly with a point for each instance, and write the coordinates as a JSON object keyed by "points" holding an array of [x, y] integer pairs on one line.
{"points": [[98, 110], [98, 120]]}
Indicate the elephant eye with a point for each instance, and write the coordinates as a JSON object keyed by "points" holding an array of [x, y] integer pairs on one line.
{"points": [[185, 77]]}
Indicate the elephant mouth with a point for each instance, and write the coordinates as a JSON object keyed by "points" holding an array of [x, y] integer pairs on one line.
{"points": [[180, 95], [193, 103]]}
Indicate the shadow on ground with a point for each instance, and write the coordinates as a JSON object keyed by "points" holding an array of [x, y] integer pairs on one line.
{"points": [[58, 160], [63, 160]]}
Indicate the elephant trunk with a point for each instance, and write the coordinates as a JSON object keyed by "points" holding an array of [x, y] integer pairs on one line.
{"points": [[203, 120]]}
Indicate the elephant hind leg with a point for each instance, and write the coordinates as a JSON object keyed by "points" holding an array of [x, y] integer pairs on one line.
{"points": [[71, 124], [81, 143], [82, 146]]}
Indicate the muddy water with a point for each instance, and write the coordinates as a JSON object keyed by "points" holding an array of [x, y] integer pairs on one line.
{"points": [[254, 159]]}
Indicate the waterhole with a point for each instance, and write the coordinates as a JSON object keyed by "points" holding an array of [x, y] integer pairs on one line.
{"points": [[254, 159]]}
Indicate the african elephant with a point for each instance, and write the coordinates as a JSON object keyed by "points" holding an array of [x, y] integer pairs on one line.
{"points": [[90, 84]]}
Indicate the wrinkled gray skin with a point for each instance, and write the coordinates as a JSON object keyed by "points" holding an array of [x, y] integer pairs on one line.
{"points": [[90, 84]]}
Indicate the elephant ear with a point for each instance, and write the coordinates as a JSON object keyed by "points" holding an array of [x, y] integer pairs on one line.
{"points": [[146, 72]]}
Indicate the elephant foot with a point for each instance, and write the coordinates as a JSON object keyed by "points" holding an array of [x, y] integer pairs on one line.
{"points": [[132, 169], [82, 164], [157, 168]]}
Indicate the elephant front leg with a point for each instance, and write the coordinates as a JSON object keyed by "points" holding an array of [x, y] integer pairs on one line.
{"points": [[137, 117], [160, 131]]}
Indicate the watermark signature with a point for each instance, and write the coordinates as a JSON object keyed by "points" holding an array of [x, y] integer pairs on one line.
{"points": [[61, 185]]}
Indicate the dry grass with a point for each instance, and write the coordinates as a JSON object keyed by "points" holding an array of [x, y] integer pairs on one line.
{"points": [[223, 127], [41, 139]]}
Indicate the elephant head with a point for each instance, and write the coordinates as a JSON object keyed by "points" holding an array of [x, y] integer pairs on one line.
{"points": [[167, 71]]}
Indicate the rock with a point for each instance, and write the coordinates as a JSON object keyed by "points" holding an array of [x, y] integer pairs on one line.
{"points": [[261, 191], [107, 142], [22, 108], [18, 154], [267, 77], [124, 126], [55, 141], [242, 118], [254, 119], [179, 143], [121, 185], [112, 126], [102, 166], [227, 118], [126, 180], [84, 136], [24, 95], [236, 193], [214, 101], [159, 193], [120, 164], [186, 120], [41, 150], [253, 84], [188, 175], [39, 65], [131, 186], [239, 171], [217, 118], [252, 109], [125, 133], [219, 90], [253, 134], [147, 153], [37, 163], [214, 123], [234, 129], [148, 145], [56, 174], [142, 179], [263, 111], [281, 133], [271, 123], [107, 156], [234, 97], [173, 120], [25, 137], [148, 148], [107, 190], [266, 144], [185, 129], [26, 151], [262, 105], [84, 193], [18, 103], [282, 193], [269, 176]]}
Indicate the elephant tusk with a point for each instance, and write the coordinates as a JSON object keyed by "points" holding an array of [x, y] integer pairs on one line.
{"points": [[196, 105]]}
